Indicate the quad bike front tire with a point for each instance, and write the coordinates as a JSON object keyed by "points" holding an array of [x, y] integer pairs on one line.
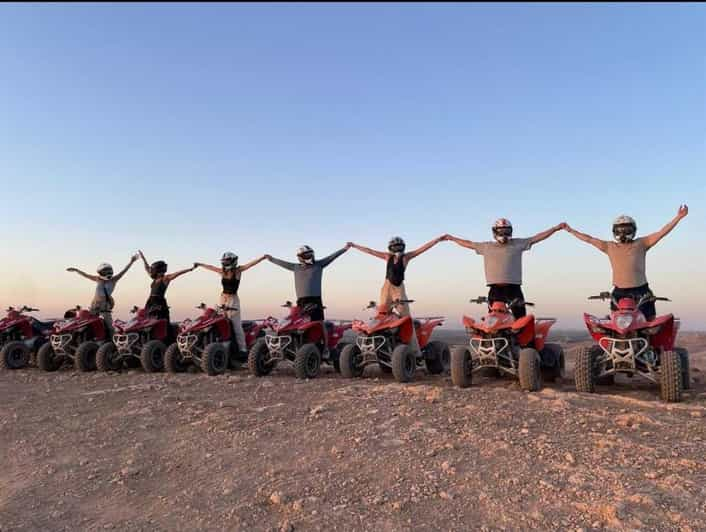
{"points": [[47, 359], [461, 367], [214, 359], [557, 371], [173, 361], [404, 363], [349, 362], [152, 356], [86, 356], [440, 358], [670, 385], [583, 370], [685, 368], [258, 362], [529, 370], [14, 355], [107, 358], [307, 362]]}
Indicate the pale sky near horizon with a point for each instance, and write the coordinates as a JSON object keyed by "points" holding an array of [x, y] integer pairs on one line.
{"points": [[191, 129]]}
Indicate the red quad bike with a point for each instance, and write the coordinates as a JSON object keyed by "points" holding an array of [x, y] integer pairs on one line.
{"points": [[627, 343], [76, 338], [300, 340], [141, 340], [503, 345], [384, 340], [21, 336], [209, 342]]}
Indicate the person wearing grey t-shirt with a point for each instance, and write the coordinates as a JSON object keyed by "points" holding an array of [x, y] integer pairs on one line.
{"points": [[503, 262], [627, 258], [308, 274]]}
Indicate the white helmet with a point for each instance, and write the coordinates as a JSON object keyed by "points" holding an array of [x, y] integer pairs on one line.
{"points": [[229, 260], [104, 271], [305, 255], [502, 230], [624, 228], [396, 245]]}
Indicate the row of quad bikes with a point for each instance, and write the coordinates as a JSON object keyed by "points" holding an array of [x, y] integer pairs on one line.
{"points": [[624, 342]]}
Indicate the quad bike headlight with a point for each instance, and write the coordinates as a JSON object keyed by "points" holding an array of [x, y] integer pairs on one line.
{"points": [[623, 321]]}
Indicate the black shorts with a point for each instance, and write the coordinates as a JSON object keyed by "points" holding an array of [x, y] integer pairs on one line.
{"points": [[648, 308], [157, 308], [507, 293], [312, 307]]}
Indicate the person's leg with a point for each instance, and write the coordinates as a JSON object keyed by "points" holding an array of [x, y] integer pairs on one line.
{"points": [[648, 308], [515, 293], [234, 316], [108, 320], [399, 292], [386, 297]]}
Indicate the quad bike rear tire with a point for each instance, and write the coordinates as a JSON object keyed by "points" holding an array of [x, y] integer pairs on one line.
{"points": [[107, 358], [440, 358], [349, 362], [258, 362], [47, 359], [86, 356], [307, 362], [152, 356], [214, 359], [685, 368], [14, 355], [556, 372], [335, 355], [404, 363], [584, 370], [529, 370], [670, 377], [461, 367], [173, 361]]}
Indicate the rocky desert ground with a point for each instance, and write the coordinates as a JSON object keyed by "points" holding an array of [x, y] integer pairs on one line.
{"points": [[132, 451]]}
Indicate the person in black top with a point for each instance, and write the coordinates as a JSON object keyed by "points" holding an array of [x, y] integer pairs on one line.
{"points": [[156, 305], [397, 261], [230, 281]]}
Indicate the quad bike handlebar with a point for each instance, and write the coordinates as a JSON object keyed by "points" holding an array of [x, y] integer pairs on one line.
{"points": [[23, 308], [515, 302], [647, 298], [393, 303], [224, 308]]}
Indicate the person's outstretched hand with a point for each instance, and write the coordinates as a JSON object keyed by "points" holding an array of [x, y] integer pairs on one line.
{"points": [[683, 211], [563, 225], [71, 269]]}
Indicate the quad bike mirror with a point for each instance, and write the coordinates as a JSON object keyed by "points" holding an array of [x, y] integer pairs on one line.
{"points": [[287, 304], [372, 304], [202, 306], [134, 309]]}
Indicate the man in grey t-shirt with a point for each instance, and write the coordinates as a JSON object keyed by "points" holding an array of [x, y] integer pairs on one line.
{"points": [[503, 262], [627, 257]]}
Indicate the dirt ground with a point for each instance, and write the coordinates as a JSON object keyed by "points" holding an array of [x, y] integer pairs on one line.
{"points": [[132, 451]]}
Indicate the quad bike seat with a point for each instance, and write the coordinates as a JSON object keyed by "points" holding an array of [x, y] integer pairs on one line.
{"points": [[247, 324], [329, 325], [417, 324]]}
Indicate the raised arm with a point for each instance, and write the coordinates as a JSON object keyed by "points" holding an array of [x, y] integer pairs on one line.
{"points": [[597, 242], [461, 242], [546, 234], [144, 260], [122, 272], [214, 269], [281, 263], [421, 249], [651, 240], [250, 264], [379, 254], [333, 256], [171, 276], [83, 274]]}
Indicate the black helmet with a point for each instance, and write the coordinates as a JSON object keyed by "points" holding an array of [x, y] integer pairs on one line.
{"points": [[158, 268], [229, 260], [396, 245]]}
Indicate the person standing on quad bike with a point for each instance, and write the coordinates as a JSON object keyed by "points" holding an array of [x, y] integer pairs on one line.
{"points": [[230, 274], [103, 302], [627, 258], [393, 288], [307, 281], [503, 262], [156, 305]]}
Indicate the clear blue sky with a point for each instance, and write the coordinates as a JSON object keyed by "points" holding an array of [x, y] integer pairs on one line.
{"points": [[188, 130]]}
